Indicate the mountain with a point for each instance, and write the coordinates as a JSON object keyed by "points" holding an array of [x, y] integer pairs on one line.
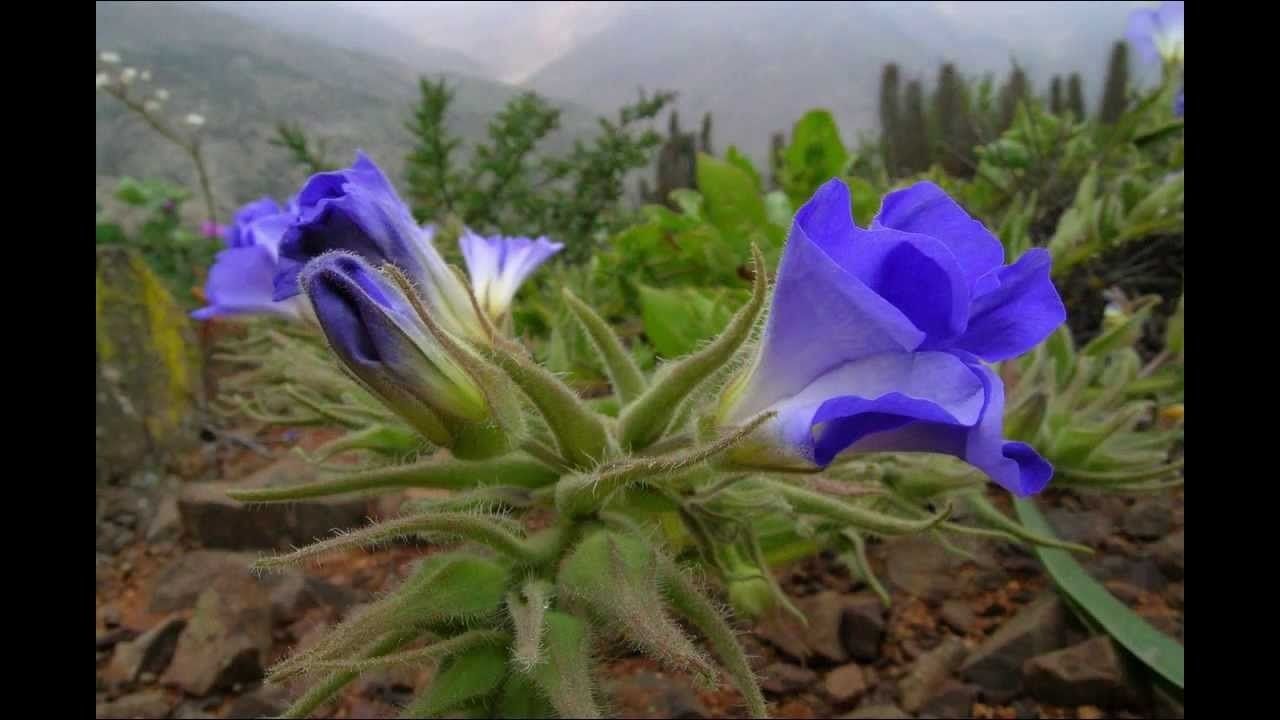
{"points": [[345, 28], [758, 66], [244, 78]]}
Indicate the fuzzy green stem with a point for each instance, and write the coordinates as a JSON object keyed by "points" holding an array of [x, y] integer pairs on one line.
{"points": [[863, 566], [1000, 521], [471, 527], [689, 602], [645, 420], [433, 473], [317, 695], [431, 653], [628, 382], [808, 502]]}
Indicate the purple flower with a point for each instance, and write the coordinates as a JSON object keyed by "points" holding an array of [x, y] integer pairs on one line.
{"points": [[241, 233], [375, 332], [876, 338], [357, 210], [1157, 34], [498, 265], [1177, 104], [242, 278]]}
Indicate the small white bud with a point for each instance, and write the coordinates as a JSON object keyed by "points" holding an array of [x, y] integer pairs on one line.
{"points": [[151, 106], [162, 94], [127, 75], [195, 120], [103, 79], [146, 76], [109, 58]]}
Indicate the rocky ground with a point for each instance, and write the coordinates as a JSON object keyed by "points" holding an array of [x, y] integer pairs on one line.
{"points": [[184, 631]]}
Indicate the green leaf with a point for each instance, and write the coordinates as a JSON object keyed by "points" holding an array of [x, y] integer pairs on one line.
{"points": [[1158, 651], [463, 680], [743, 162], [866, 200], [816, 154], [565, 677], [778, 207], [678, 320], [733, 203]]}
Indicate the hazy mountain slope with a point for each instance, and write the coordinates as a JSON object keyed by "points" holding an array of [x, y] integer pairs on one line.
{"points": [[758, 66], [244, 79], [346, 28]]}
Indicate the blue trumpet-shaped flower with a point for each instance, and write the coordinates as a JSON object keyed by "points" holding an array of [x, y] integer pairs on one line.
{"points": [[1157, 33], [376, 333], [358, 211], [1177, 103], [241, 279], [499, 265], [876, 338]]}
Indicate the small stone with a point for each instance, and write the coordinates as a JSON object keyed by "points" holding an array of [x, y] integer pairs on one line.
{"points": [[877, 712], [930, 672], [958, 616], [1085, 528], [953, 700], [1149, 520], [182, 581], [845, 684], [166, 526], [1168, 555], [1091, 673], [217, 521], [110, 615], [150, 653], [656, 695], [826, 613], [227, 640], [784, 678], [862, 627], [110, 638], [147, 704], [1175, 594], [266, 701], [1088, 712], [920, 567], [1026, 710], [147, 678], [996, 665]]}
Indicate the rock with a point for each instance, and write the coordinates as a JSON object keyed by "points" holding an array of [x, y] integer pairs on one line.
{"points": [[166, 526], [958, 616], [1149, 519], [784, 678], [862, 626], [920, 567], [110, 638], [1026, 710], [1176, 595], [1090, 673], [782, 631], [930, 672], [996, 665], [825, 612], [217, 521], [146, 704], [293, 593], [149, 653], [267, 701], [1141, 573], [182, 581], [952, 700], [110, 616], [1166, 706], [656, 695], [1086, 528], [877, 712], [148, 376], [1168, 556], [227, 640], [845, 684]]}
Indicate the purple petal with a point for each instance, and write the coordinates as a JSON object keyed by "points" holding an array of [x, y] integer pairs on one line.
{"points": [[821, 317], [876, 394], [925, 209], [237, 235], [1021, 311], [1015, 466], [356, 210], [240, 282]]}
